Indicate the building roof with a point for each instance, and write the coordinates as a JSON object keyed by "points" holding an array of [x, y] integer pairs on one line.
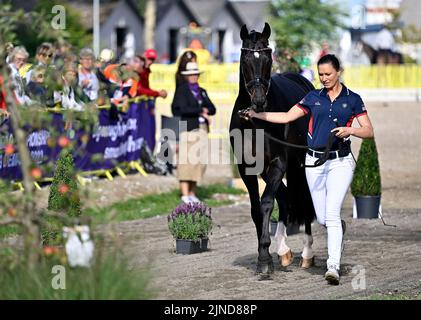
{"points": [[85, 10], [205, 10], [253, 13]]}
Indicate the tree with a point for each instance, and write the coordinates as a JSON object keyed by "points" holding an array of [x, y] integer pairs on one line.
{"points": [[20, 30], [150, 23], [299, 24]]}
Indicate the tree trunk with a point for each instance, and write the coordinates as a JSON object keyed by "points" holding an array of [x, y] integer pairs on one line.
{"points": [[31, 234], [150, 22]]}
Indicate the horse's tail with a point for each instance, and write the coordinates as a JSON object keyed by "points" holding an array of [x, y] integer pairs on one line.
{"points": [[298, 193]]}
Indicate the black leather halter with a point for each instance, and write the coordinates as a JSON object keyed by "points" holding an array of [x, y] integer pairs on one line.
{"points": [[258, 79]]}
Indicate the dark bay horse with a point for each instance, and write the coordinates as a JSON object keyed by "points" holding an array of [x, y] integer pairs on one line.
{"points": [[263, 92]]}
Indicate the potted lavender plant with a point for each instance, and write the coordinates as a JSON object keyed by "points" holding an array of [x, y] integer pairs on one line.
{"points": [[190, 224]]}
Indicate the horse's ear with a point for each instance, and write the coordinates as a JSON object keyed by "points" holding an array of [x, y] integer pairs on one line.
{"points": [[266, 31], [244, 33]]}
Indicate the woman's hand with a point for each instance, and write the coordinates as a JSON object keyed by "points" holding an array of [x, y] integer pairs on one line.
{"points": [[248, 114], [343, 132]]}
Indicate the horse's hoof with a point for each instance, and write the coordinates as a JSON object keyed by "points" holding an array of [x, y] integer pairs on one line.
{"points": [[306, 263], [286, 259], [264, 269]]}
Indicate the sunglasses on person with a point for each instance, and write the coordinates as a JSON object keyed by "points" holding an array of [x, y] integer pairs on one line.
{"points": [[47, 55]]}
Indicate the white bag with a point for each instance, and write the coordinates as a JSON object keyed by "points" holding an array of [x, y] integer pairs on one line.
{"points": [[79, 246]]}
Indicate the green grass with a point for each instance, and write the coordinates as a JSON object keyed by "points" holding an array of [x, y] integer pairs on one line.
{"points": [[7, 231], [152, 205], [393, 297], [109, 278], [145, 207]]}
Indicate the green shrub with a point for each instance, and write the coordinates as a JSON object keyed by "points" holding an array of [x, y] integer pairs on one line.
{"points": [[366, 181], [63, 198]]}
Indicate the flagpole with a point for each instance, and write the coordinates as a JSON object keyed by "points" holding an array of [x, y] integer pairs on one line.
{"points": [[96, 27]]}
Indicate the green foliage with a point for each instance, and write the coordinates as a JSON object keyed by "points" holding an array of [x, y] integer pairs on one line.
{"points": [[109, 278], [64, 198], [275, 212], [17, 26], [74, 33], [64, 195], [299, 24], [366, 181]]}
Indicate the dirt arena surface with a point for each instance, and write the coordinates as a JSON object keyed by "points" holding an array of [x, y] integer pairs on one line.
{"points": [[377, 260]]}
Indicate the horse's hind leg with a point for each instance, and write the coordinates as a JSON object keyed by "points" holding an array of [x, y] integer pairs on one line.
{"points": [[284, 252], [307, 257]]}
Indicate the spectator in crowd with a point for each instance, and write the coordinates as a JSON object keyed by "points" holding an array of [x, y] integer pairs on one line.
{"points": [[72, 96], [186, 57], [143, 89], [3, 106], [36, 89], [193, 105], [121, 86], [87, 78], [306, 70], [44, 57], [17, 58], [325, 49]]}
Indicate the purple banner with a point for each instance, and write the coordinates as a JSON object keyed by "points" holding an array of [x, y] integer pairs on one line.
{"points": [[108, 142]]}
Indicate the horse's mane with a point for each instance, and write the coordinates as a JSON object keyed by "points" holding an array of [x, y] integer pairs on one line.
{"points": [[286, 90]]}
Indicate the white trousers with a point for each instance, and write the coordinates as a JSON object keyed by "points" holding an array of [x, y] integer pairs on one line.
{"points": [[328, 185]]}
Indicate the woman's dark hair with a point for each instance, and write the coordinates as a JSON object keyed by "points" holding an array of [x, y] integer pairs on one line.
{"points": [[187, 56], [330, 58]]}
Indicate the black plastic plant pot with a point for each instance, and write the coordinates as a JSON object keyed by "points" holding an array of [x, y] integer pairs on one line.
{"points": [[187, 246], [204, 244], [367, 207]]}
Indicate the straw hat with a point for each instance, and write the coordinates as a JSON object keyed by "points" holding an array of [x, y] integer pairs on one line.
{"points": [[191, 69]]}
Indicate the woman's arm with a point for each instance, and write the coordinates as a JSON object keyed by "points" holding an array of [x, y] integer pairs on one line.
{"points": [[278, 117], [365, 130]]}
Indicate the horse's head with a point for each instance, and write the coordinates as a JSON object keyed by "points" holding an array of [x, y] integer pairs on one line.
{"points": [[256, 65]]}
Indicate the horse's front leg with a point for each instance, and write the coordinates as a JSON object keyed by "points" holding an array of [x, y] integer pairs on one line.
{"points": [[274, 175], [285, 255]]}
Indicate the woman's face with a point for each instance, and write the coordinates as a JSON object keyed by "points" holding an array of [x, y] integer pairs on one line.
{"points": [[86, 62], [137, 64], [328, 75], [193, 78], [19, 60]]}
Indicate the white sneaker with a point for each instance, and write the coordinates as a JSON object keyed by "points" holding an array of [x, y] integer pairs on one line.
{"points": [[194, 199], [332, 275]]}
